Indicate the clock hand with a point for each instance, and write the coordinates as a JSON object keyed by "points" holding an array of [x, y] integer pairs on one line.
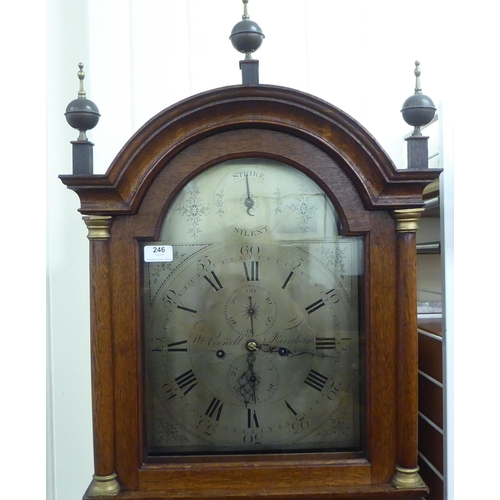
{"points": [[251, 311], [282, 351], [249, 381], [291, 353], [254, 346], [249, 203]]}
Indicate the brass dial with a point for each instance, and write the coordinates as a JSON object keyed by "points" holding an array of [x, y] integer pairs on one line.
{"points": [[254, 345]]}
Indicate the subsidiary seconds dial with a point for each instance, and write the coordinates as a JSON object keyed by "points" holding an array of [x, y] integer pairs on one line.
{"points": [[251, 308]]}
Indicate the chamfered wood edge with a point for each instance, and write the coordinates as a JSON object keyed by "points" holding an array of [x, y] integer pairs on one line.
{"points": [[256, 475], [372, 492], [122, 188]]}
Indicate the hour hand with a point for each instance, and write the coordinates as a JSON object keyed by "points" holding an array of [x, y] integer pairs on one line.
{"points": [[281, 350]]}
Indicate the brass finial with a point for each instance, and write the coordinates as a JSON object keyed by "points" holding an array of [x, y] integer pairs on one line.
{"points": [[418, 88], [245, 10], [81, 76]]}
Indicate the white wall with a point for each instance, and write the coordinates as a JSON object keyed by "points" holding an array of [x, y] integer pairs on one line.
{"points": [[147, 55], [22, 248], [143, 55], [69, 446]]}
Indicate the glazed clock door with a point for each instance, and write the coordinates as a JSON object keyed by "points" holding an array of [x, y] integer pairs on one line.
{"points": [[251, 314]]}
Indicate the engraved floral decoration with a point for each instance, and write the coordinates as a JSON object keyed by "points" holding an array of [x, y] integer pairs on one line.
{"points": [[163, 269], [336, 258], [278, 201], [219, 203], [194, 210], [170, 432], [337, 427], [159, 268], [303, 209]]}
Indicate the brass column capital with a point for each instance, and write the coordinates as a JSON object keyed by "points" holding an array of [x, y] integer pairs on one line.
{"points": [[407, 219], [98, 226]]}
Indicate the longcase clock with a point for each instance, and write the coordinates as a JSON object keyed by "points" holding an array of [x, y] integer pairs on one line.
{"points": [[253, 305]]}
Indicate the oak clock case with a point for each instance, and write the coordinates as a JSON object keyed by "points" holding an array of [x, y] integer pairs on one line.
{"points": [[251, 330], [275, 354]]}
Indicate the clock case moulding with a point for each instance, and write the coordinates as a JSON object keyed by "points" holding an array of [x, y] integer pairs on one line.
{"points": [[375, 200]]}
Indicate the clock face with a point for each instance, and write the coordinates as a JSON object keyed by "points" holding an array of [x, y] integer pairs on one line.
{"points": [[251, 328]]}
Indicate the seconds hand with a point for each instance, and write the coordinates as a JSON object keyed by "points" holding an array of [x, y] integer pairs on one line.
{"points": [[251, 313]]}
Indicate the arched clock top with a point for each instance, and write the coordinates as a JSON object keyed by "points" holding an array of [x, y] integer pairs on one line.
{"points": [[253, 145], [122, 189]]}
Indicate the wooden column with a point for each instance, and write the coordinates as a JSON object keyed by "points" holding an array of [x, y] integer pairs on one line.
{"points": [[407, 475], [104, 482]]}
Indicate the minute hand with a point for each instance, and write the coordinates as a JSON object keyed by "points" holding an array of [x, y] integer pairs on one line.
{"points": [[284, 351]]}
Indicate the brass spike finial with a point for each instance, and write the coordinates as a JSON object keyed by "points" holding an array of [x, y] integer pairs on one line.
{"points": [[418, 88], [245, 10], [81, 76]]}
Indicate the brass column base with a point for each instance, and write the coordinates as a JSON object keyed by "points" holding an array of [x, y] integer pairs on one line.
{"points": [[103, 486], [407, 479]]}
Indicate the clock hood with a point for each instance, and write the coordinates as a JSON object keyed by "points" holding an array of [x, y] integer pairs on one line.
{"points": [[187, 122]]}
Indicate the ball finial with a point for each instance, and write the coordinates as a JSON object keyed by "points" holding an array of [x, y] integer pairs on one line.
{"points": [[418, 110], [82, 114], [246, 35]]}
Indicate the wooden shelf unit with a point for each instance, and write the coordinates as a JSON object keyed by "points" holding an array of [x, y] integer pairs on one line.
{"points": [[430, 346], [430, 414]]}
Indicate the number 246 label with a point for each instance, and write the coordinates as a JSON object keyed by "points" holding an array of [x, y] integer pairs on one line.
{"points": [[158, 253]]}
